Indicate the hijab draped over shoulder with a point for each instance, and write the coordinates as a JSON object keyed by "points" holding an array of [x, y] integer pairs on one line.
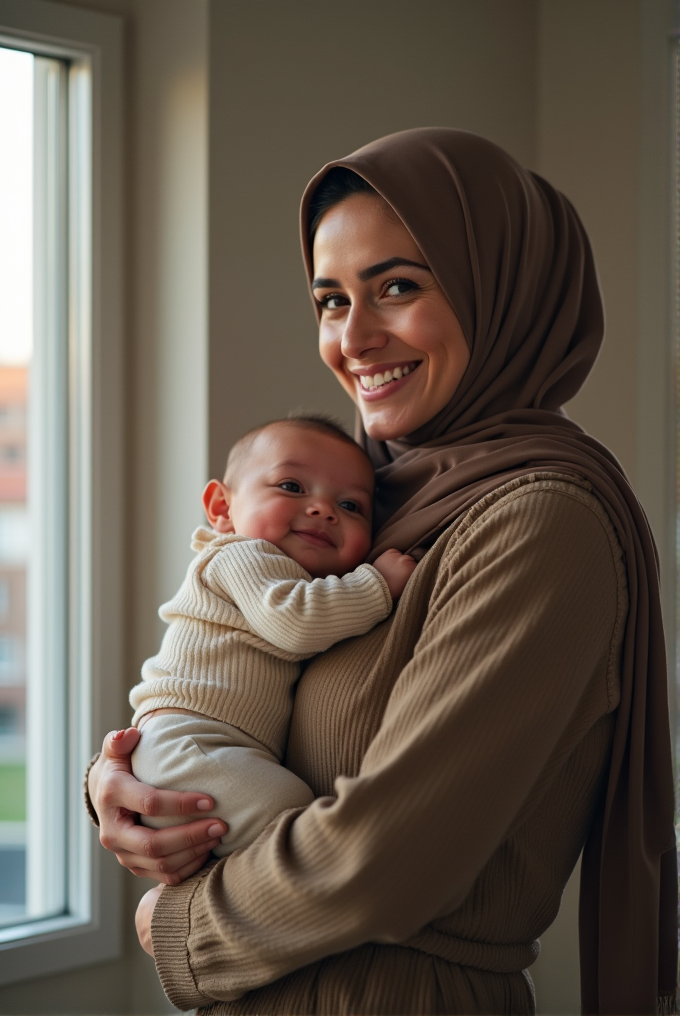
{"points": [[513, 259]]}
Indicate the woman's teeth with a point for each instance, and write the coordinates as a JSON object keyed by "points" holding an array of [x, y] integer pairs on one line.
{"points": [[377, 380]]}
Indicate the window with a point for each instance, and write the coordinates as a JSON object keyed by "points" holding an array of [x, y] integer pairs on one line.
{"points": [[59, 510]]}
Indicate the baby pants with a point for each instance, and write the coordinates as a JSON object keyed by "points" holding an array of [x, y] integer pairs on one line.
{"points": [[249, 786]]}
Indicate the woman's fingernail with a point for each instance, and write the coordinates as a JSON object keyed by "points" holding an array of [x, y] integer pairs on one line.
{"points": [[215, 830], [204, 805]]}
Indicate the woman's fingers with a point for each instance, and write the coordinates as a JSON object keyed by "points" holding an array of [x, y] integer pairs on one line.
{"points": [[120, 744], [126, 837], [162, 853], [175, 877], [119, 789], [172, 869], [112, 784], [168, 855]]}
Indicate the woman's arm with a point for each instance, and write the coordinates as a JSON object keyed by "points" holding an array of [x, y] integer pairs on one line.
{"points": [[167, 855], [520, 621]]}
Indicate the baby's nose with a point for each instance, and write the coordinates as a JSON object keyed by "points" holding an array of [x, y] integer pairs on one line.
{"points": [[322, 509]]}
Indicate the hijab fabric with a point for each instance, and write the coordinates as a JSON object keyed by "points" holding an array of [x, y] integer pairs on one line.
{"points": [[514, 261]]}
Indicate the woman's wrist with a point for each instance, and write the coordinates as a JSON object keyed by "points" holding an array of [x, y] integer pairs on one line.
{"points": [[171, 923]]}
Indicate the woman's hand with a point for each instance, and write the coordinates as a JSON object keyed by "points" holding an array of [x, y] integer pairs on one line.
{"points": [[166, 855], [144, 915]]}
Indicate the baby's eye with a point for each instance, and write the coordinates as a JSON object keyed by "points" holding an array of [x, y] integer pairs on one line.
{"points": [[292, 486], [349, 506]]}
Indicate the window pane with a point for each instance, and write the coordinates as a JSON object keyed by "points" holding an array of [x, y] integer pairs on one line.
{"points": [[16, 339], [34, 248]]}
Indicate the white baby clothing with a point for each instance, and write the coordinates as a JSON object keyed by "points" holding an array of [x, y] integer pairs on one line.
{"points": [[243, 619]]}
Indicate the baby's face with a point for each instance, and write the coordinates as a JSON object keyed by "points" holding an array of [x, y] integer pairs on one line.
{"points": [[310, 495]]}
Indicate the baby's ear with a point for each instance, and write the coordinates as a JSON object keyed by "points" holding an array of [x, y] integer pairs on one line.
{"points": [[216, 500]]}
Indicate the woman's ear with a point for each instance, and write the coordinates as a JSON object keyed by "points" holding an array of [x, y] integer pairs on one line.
{"points": [[216, 501]]}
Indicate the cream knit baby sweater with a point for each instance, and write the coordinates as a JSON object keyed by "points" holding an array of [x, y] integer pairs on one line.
{"points": [[243, 619]]}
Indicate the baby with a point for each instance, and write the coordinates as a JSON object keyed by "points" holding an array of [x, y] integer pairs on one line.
{"points": [[277, 579]]}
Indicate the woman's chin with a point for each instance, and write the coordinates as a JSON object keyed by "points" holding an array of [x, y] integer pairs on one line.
{"points": [[385, 427]]}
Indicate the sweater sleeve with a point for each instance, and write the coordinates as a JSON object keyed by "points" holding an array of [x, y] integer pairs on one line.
{"points": [[288, 609], [521, 617]]}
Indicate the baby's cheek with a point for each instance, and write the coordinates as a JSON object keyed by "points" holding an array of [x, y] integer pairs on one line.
{"points": [[359, 545]]}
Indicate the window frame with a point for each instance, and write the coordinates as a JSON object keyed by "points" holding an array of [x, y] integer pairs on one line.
{"points": [[92, 930]]}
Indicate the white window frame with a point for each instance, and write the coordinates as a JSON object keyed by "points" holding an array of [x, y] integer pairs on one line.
{"points": [[91, 929]]}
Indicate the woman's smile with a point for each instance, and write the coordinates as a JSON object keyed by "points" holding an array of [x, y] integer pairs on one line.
{"points": [[387, 330], [382, 380]]}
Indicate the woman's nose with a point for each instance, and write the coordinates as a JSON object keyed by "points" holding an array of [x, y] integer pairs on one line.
{"points": [[322, 509], [362, 333]]}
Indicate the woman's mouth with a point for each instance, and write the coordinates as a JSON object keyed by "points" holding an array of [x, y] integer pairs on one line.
{"points": [[387, 380]]}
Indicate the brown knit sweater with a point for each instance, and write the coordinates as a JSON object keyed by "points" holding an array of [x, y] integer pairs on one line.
{"points": [[457, 751]]}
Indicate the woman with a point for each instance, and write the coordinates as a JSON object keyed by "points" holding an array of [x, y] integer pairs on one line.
{"points": [[514, 706]]}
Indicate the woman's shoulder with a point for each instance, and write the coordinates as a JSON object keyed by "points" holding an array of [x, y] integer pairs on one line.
{"points": [[540, 546], [551, 508]]}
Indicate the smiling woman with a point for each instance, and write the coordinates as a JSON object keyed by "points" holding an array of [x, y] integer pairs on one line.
{"points": [[392, 340], [512, 710]]}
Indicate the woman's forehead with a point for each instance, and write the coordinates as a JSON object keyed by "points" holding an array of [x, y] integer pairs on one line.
{"points": [[362, 228]]}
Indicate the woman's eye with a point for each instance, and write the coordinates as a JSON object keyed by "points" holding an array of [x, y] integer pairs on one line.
{"points": [[292, 486], [333, 301], [349, 506], [397, 287]]}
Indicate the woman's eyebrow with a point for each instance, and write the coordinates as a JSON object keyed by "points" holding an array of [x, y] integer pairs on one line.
{"points": [[370, 273], [385, 266]]}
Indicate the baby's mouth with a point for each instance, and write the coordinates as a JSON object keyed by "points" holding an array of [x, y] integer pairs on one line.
{"points": [[381, 378], [316, 537]]}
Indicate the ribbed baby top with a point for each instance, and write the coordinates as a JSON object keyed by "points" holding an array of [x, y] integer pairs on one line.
{"points": [[244, 617], [457, 752]]}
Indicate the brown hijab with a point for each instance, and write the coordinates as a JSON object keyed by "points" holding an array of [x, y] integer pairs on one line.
{"points": [[512, 257]]}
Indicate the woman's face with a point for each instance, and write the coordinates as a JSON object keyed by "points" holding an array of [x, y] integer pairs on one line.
{"points": [[387, 331]]}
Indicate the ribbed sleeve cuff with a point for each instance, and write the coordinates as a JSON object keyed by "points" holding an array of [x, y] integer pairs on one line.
{"points": [[170, 928], [88, 800], [384, 588]]}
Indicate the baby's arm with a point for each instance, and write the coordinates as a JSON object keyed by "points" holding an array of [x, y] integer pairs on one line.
{"points": [[396, 568], [284, 607]]}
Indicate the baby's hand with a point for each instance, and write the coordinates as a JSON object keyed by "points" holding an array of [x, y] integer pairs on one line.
{"points": [[396, 568]]}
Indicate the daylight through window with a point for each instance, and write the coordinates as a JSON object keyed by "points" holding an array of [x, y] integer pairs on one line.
{"points": [[44, 346]]}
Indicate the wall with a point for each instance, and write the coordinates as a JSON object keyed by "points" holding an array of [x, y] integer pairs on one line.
{"points": [[603, 137], [290, 90]]}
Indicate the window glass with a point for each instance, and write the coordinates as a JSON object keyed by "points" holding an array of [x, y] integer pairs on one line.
{"points": [[38, 280], [16, 340], [61, 74]]}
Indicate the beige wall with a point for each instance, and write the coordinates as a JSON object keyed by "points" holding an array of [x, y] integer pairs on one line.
{"points": [[587, 145], [293, 85], [603, 136], [220, 332]]}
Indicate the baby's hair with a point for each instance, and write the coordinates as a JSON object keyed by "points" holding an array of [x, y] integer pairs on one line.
{"points": [[319, 422]]}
